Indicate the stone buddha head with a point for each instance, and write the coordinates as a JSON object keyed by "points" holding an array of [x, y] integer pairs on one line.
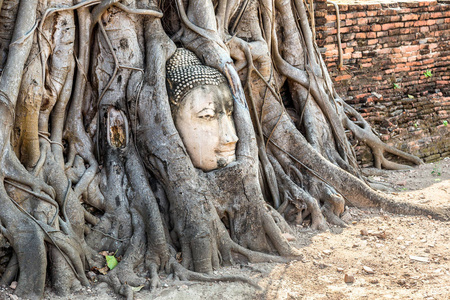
{"points": [[202, 107]]}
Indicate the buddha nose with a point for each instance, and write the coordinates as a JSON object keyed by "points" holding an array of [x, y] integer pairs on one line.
{"points": [[228, 133]]}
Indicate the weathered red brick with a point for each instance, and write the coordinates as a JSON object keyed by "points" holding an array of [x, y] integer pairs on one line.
{"points": [[392, 32], [330, 47], [424, 16], [410, 17], [345, 29], [420, 23], [331, 53], [348, 50], [320, 14], [387, 26], [402, 69], [350, 22], [343, 77], [432, 46], [346, 56], [407, 49], [384, 51], [437, 15], [331, 17], [330, 39], [404, 31], [347, 16], [376, 27], [362, 21]]}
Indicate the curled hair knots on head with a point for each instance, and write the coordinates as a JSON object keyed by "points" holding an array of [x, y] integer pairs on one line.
{"points": [[185, 72]]}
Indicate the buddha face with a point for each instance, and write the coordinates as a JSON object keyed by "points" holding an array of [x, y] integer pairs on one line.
{"points": [[205, 123]]}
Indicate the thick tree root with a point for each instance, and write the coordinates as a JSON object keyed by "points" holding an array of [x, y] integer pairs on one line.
{"points": [[25, 234], [11, 271], [184, 275], [113, 146], [363, 132]]}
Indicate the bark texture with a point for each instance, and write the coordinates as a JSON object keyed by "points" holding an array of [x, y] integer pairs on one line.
{"points": [[91, 161]]}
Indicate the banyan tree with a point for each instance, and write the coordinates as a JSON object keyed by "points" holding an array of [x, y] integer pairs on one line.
{"points": [[179, 135]]}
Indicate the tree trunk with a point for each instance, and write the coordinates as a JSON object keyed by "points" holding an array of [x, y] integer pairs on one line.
{"points": [[91, 159]]}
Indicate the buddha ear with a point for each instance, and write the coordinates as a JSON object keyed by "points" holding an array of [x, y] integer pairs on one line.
{"points": [[174, 106]]}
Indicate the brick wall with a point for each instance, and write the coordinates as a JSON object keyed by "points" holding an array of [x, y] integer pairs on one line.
{"points": [[387, 48]]}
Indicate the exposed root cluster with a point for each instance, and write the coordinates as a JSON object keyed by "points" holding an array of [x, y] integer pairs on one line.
{"points": [[90, 159]]}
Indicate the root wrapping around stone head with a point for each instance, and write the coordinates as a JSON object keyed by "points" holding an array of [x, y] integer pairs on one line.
{"points": [[94, 158]]}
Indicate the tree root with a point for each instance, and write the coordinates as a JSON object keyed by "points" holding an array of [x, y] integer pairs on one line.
{"points": [[14, 171], [123, 277], [142, 196], [338, 34], [298, 194], [365, 133], [25, 234], [184, 274], [11, 271]]}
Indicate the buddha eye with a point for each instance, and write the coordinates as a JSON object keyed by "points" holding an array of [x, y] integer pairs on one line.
{"points": [[206, 117], [206, 114]]}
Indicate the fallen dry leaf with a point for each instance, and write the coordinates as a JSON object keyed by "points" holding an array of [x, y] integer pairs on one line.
{"points": [[103, 270]]}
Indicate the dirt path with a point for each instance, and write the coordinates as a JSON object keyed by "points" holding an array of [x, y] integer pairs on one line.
{"points": [[389, 256]]}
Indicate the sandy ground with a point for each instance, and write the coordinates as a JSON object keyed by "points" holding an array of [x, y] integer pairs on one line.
{"points": [[387, 256], [354, 2]]}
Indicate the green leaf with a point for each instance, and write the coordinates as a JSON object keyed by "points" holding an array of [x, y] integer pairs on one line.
{"points": [[410, 96], [427, 74], [137, 288], [111, 261], [445, 123]]}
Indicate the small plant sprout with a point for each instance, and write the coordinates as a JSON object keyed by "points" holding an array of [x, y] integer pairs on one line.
{"points": [[437, 170], [445, 123], [427, 73], [416, 124], [395, 86], [410, 96]]}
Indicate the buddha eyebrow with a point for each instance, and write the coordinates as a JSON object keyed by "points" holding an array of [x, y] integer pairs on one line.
{"points": [[207, 108]]}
